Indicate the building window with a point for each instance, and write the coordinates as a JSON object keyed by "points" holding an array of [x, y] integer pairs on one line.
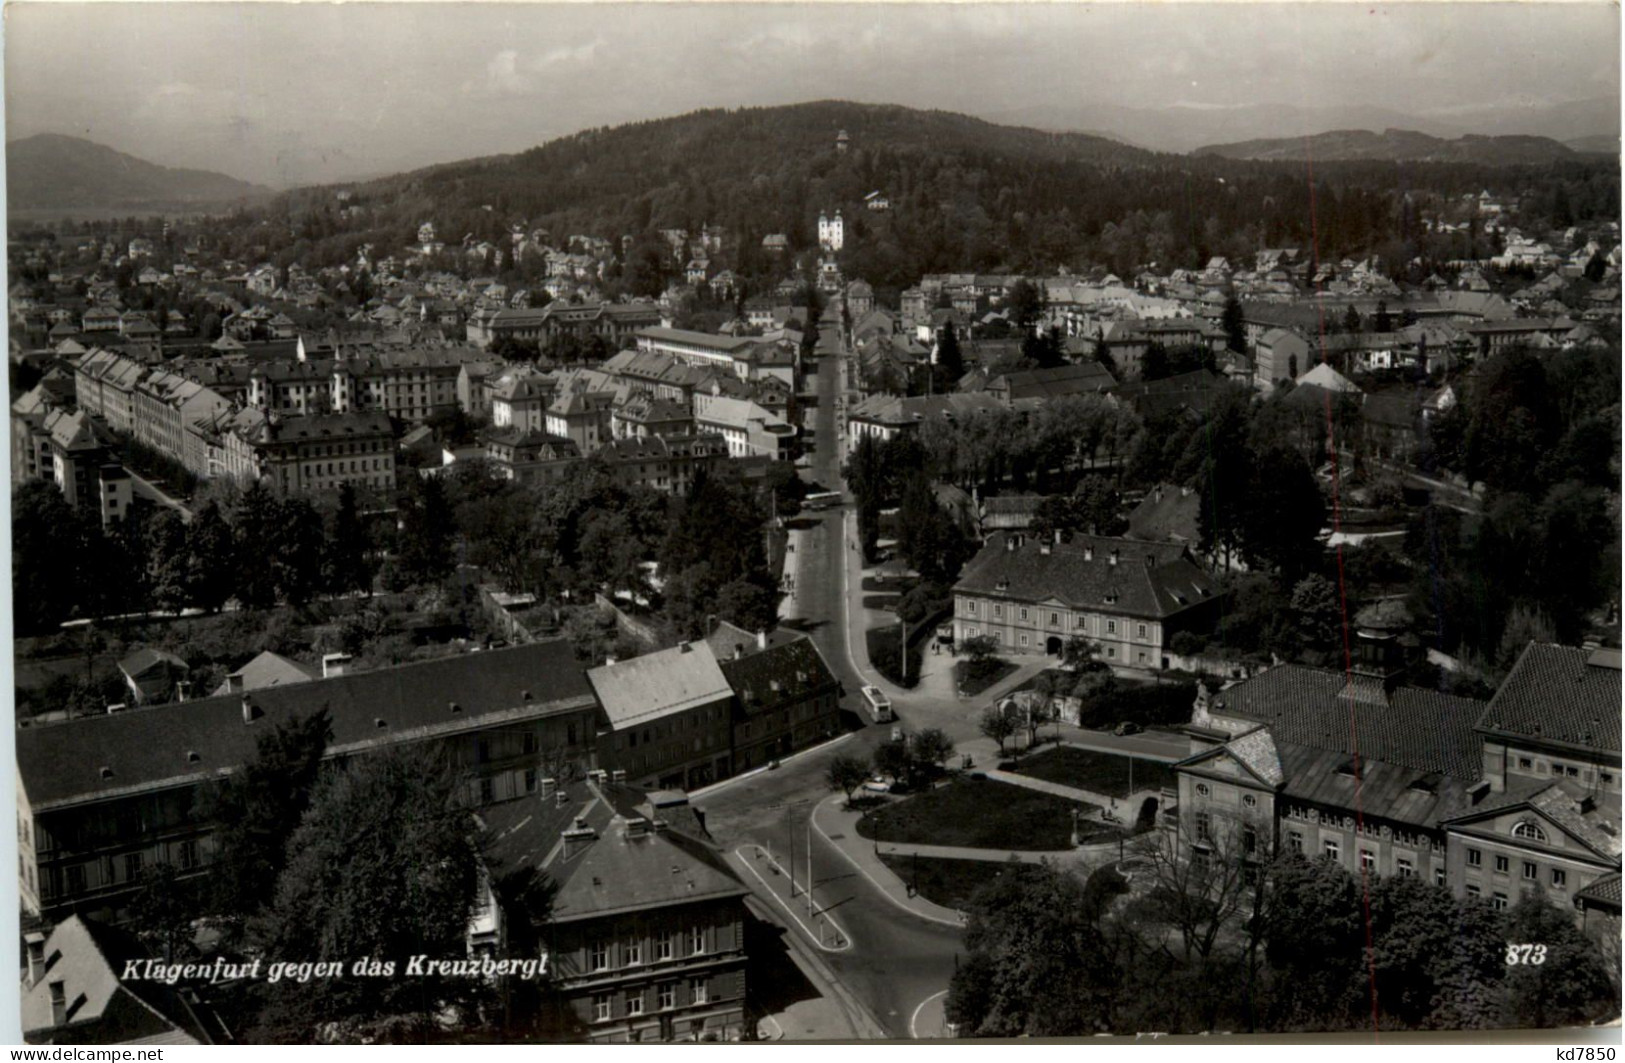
{"points": [[1024, 614], [1024, 640], [1525, 763], [598, 957], [1249, 800], [1333, 851], [998, 612], [1438, 876], [667, 997], [1201, 789], [1499, 901], [1249, 840], [1605, 777], [633, 952], [1111, 627], [132, 867], [634, 1003], [602, 1003], [665, 945], [1474, 858], [1473, 890], [1531, 873], [1140, 630], [699, 991], [1294, 841], [530, 780], [1406, 868], [1529, 830], [1560, 878], [1368, 860], [1203, 825], [1502, 865], [696, 941]]}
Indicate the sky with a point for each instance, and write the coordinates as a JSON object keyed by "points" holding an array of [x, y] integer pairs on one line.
{"points": [[286, 94]]}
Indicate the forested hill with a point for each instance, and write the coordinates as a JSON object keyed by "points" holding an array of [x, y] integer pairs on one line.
{"points": [[48, 172], [966, 195], [1398, 145]]}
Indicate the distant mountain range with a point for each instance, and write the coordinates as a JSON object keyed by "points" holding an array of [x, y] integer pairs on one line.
{"points": [[1396, 145], [1186, 127], [50, 172]]}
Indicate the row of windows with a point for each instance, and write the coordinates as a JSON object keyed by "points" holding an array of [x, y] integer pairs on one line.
{"points": [[1530, 870], [1080, 622], [603, 1004], [601, 954]]}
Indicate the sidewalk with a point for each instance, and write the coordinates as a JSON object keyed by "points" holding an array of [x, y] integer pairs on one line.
{"points": [[837, 825], [1071, 793]]}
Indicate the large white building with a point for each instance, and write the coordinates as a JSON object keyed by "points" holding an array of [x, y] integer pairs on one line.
{"points": [[831, 231]]}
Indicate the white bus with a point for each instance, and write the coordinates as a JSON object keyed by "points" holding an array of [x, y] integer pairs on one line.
{"points": [[822, 500], [877, 704]]}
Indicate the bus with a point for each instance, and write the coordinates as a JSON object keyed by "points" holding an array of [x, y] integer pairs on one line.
{"points": [[822, 500], [877, 704]]}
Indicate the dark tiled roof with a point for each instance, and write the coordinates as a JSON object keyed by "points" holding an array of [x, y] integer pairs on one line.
{"points": [[1149, 579], [1603, 892], [1168, 512], [1421, 730], [1195, 391], [1396, 792], [326, 426], [784, 674], [144, 748], [1557, 694], [620, 869]]}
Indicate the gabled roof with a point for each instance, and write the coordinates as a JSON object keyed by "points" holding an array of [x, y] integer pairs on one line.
{"points": [[63, 763], [86, 957], [636, 691], [1563, 803], [1408, 727], [1148, 579], [1560, 694], [764, 679], [268, 670]]}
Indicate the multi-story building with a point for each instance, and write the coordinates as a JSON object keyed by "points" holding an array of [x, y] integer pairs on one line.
{"points": [[885, 417], [292, 387], [664, 463], [583, 417], [746, 357], [612, 322], [1548, 814], [1386, 779], [84, 468], [520, 400], [666, 717], [645, 940], [786, 697], [644, 415], [1127, 596], [410, 385], [748, 429], [100, 798], [305, 455], [530, 456]]}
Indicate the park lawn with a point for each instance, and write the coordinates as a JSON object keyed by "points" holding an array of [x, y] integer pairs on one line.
{"points": [[1103, 773], [977, 814], [972, 681], [950, 883]]}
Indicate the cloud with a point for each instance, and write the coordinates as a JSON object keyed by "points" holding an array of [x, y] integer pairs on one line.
{"points": [[509, 74]]}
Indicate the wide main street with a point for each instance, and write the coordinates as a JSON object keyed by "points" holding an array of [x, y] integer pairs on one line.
{"points": [[897, 961]]}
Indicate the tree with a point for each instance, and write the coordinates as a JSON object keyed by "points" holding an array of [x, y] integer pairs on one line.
{"points": [[1423, 938], [1319, 613], [748, 603], [427, 530], [164, 910], [387, 834], [1572, 987], [346, 566], [1154, 363], [1025, 303], [1038, 963], [255, 532], [46, 534], [1383, 322], [256, 810], [1284, 513], [893, 759], [932, 748], [949, 358], [846, 773], [1078, 652], [298, 543], [1352, 322], [1234, 323], [211, 567], [998, 725]]}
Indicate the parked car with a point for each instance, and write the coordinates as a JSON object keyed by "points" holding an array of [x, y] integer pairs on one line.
{"points": [[877, 786], [1128, 728]]}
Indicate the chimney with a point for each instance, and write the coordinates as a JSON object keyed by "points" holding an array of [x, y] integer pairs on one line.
{"points": [[1057, 537], [609, 660], [618, 776], [1088, 553], [1010, 544], [1113, 559], [637, 827], [1044, 549], [549, 788], [180, 690], [683, 647], [761, 639], [234, 683], [333, 664], [578, 838], [251, 711], [739, 650]]}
